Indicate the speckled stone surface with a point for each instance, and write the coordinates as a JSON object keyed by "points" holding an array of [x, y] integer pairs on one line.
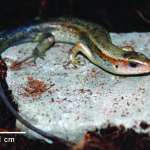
{"points": [[79, 100]]}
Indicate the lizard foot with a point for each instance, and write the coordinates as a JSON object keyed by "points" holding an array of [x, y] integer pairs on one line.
{"points": [[74, 61], [36, 53]]}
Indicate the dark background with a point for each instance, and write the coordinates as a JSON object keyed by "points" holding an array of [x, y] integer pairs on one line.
{"points": [[114, 15]]}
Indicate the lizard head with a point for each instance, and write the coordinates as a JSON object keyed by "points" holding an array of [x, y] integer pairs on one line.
{"points": [[134, 63]]}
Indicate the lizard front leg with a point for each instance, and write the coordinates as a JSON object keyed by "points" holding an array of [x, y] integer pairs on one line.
{"points": [[79, 47]]}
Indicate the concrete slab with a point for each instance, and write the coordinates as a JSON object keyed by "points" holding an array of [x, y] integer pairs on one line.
{"points": [[67, 102]]}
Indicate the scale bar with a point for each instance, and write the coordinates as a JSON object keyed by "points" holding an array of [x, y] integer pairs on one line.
{"points": [[12, 132]]}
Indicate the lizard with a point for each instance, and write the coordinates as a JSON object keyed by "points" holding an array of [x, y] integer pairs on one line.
{"points": [[89, 38]]}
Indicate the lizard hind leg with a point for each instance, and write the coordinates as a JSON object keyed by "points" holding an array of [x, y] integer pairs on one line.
{"points": [[79, 47], [46, 40]]}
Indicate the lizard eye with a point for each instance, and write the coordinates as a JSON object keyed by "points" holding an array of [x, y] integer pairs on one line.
{"points": [[133, 65]]}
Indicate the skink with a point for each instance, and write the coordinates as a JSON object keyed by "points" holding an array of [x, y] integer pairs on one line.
{"points": [[89, 38]]}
